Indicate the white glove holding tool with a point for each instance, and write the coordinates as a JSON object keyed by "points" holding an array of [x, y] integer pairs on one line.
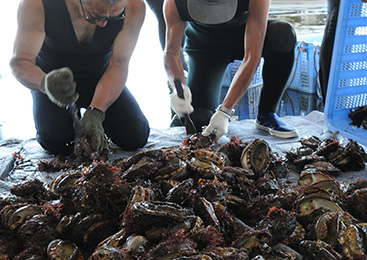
{"points": [[219, 122], [182, 106]]}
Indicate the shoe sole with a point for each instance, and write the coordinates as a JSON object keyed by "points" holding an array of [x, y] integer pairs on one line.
{"points": [[289, 134]]}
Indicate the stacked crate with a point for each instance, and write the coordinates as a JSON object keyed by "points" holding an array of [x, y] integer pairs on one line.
{"points": [[247, 106], [304, 75], [296, 102], [303, 92], [303, 89]]}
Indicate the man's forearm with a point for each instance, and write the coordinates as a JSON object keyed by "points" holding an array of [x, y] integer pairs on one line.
{"points": [[173, 66], [27, 73], [109, 88]]}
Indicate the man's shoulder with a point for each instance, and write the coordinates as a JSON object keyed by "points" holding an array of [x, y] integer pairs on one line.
{"points": [[31, 12], [35, 3], [138, 4]]}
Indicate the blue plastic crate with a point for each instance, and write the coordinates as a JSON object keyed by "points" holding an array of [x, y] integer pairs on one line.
{"points": [[232, 69], [347, 87], [304, 75], [247, 107], [227, 76], [296, 102]]}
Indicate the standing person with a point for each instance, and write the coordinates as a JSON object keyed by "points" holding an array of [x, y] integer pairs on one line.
{"points": [[78, 51], [327, 45], [218, 32]]}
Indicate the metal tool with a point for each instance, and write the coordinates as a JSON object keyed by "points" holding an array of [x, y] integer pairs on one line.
{"points": [[189, 125]]}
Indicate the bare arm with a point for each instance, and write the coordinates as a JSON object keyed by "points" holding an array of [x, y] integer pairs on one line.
{"points": [[113, 80], [254, 41], [28, 42], [174, 36]]}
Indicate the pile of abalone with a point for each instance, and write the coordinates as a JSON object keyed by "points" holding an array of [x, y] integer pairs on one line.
{"points": [[359, 116], [196, 201]]}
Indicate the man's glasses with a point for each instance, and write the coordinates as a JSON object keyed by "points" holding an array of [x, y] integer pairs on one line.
{"points": [[101, 19]]}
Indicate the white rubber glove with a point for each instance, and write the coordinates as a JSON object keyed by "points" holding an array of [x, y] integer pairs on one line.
{"points": [[218, 123], [182, 106]]}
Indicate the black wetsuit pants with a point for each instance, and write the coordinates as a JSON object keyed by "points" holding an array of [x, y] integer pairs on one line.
{"points": [[125, 123], [327, 45], [208, 59]]}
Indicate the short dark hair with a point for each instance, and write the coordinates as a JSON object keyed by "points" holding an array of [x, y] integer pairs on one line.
{"points": [[109, 2]]}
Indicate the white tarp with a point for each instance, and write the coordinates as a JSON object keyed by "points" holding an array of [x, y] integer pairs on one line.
{"points": [[32, 153]]}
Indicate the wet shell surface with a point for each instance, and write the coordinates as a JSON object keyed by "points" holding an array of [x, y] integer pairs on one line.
{"points": [[256, 156], [205, 161], [60, 249], [307, 204]]}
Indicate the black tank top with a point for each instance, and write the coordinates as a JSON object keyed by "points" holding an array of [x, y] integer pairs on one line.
{"points": [[62, 49], [239, 19], [215, 33]]}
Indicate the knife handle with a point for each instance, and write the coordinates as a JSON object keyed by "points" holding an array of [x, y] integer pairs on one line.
{"points": [[179, 88]]}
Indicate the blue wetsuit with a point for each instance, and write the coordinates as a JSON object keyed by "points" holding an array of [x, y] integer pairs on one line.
{"points": [[212, 47], [125, 123]]}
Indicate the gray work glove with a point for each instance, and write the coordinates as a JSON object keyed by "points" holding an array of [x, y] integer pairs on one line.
{"points": [[59, 86], [90, 139]]}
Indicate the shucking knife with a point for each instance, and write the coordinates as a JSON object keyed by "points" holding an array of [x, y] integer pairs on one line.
{"points": [[189, 125]]}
